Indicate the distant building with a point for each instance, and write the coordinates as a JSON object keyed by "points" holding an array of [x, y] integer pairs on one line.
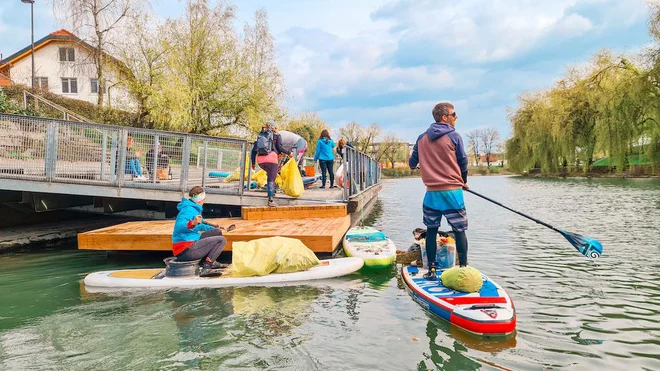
{"points": [[64, 66], [496, 159]]}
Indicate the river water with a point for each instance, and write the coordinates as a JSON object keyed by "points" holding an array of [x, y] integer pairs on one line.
{"points": [[573, 313]]}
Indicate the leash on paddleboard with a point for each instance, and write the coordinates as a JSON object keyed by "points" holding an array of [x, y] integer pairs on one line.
{"points": [[587, 246]]}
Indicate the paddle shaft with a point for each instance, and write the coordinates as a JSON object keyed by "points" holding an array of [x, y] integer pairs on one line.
{"points": [[515, 211]]}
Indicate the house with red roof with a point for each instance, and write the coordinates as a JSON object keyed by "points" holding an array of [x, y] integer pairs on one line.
{"points": [[64, 65]]}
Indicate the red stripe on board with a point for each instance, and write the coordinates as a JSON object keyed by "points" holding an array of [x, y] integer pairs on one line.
{"points": [[458, 300], [484, 327]]}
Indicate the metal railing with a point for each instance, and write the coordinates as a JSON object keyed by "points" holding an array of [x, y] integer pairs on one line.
{"points": [[66, 113], [39, 149], [360, 172]]}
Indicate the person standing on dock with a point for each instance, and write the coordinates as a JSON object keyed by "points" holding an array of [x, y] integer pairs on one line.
{"points": [[264, 152], [325, 156], [192, 239], [443, 164]]}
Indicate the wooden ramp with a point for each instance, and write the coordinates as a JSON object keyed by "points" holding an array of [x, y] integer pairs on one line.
{"points": [[321, 228]]}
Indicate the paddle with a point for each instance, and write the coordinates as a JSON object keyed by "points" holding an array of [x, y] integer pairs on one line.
{"points": [[229, 229], [587, 246]]}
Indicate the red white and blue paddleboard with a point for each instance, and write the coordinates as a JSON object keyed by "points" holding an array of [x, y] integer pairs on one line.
{"points": [[487, 312]]}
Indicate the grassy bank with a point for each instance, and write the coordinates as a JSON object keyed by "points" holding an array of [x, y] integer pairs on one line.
{"points": [[642, 171]]}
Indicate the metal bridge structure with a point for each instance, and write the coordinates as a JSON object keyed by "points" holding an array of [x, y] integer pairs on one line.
{"points": [[55, 164]]}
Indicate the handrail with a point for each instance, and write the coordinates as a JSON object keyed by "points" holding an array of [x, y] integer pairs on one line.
{"points": [[68, 114]]}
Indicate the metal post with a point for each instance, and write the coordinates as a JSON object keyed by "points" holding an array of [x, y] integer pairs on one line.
{"points": [[185, 164], [242, 167], [243, 158], [206, 148], [114, 152], [155, 160], [24, 99], [123, 137], [104, 153]]}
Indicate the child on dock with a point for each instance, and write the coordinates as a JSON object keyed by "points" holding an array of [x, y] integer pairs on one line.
{"points": [[192, 239]]}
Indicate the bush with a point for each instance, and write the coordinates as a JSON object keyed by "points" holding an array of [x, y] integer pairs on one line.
{"points": [[399, 173], [13, 94]]}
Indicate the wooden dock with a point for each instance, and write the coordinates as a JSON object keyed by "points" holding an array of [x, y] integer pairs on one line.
{"points": [[319, 227]]}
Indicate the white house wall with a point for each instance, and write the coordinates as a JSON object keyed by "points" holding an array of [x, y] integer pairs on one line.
{"points": [[47, 64]]}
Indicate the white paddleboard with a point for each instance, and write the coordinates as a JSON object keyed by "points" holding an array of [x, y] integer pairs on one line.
{"points": [[147, 278], [371, 245]]}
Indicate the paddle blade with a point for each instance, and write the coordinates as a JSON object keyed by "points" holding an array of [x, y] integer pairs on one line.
{"points": [[589, 247]]}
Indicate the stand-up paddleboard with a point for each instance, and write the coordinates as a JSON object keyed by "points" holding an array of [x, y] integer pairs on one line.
{"points": [[487, 312], [371, 245], [154, 278], [219, 174], [307, 180]]}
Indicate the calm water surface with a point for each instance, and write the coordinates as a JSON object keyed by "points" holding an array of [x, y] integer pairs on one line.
{"points": [[572, 313]]}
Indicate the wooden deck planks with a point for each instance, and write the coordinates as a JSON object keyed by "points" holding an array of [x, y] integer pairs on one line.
{"points": [[321, 235]]}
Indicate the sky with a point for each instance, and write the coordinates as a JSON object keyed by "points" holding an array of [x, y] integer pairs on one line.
{"points": [[390, 62]]}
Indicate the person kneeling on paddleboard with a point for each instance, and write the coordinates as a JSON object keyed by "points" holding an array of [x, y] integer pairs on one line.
{"points": [[192, 239], [443, 164]]}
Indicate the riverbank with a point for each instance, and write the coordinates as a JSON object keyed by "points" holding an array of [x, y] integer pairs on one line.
{"points": [[597, 173], [472, 171]]}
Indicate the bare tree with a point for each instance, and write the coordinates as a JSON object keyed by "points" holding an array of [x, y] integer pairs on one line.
{"points": [[352, 132], [474, 144], [95, 22], [391, 148], [490, 138]]}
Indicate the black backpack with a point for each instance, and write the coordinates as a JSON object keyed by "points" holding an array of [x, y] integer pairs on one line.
{"points": [[265, 143]]}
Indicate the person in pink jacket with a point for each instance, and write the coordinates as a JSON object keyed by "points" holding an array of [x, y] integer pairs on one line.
{"points": [[443, 164]]}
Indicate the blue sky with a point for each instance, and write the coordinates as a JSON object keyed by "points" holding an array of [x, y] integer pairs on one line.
{"points": [[389, 62]]}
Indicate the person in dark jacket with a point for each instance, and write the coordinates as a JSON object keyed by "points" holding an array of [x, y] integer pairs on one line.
{"points": [[192, 239], [443, 164], [162, 160], [325, 157], [341, 144], [268, 161]]}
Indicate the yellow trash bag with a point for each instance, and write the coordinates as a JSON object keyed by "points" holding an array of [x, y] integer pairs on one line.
{"points": [[235, 175], [271, 255], [292, 183], [465, 279], [260, 177], [279, 181]]}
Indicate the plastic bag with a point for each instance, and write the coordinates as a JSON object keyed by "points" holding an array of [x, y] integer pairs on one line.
{"points": [[465, 279], [260, 177], [340, 179], [292, 183], [271, 255], [235, 175]]}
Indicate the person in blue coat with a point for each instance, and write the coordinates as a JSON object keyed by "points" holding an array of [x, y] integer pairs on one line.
{"points": [[192, 240], [326, 157]]}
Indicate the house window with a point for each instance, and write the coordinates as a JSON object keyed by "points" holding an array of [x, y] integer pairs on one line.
{"points": [[95, 86], [67, 55], [41, 83], [69, 85]]}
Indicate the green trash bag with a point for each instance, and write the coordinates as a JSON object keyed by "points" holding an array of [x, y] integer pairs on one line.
{"points": [[465, 279], [271, 255]]}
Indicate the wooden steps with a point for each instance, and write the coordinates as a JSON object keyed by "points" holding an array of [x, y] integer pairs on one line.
{"points": [[319, 227]]}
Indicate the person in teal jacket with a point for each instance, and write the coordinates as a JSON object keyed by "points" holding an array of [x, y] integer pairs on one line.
{"points": [[192, 240], [325, 156]]}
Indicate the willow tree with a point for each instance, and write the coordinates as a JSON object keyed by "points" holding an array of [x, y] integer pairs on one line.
{"points": [[308, 125]]}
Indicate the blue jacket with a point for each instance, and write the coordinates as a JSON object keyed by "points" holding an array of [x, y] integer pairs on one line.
{"points": [[324, 150], [183, 230]]}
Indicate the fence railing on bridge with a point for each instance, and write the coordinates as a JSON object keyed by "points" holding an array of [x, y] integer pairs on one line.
{"points": [[57, 151], [40, 149]]}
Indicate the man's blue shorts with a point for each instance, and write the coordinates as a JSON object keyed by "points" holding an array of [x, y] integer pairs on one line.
{"points": [[447, 203]]}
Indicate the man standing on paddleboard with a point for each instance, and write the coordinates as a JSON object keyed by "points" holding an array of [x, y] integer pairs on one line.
{"points": [[443, 163]]}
